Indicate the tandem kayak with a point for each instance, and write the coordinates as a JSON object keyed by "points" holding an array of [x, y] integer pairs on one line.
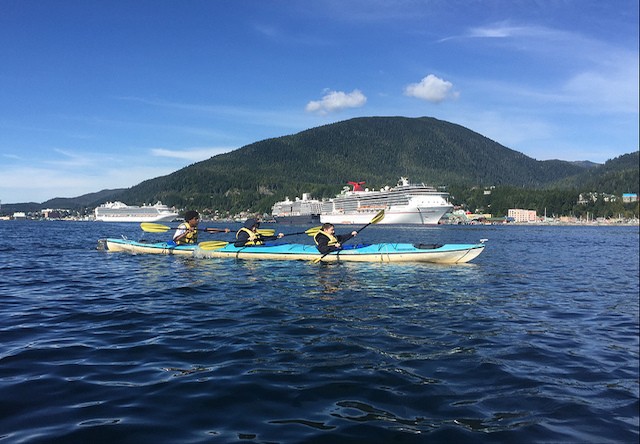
{"points": [[385, 252]]}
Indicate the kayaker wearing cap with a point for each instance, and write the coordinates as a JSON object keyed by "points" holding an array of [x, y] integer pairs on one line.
{"points": [[187, 232], [327, 240], [248, 235]]}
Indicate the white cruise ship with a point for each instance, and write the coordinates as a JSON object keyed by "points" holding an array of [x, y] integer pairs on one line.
{"points": [[298, 211], [120, 212], [407, 203]]}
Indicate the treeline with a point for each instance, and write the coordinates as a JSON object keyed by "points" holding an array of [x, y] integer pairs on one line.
{"points": [[379, 150], [321, 160], [552, 202]]}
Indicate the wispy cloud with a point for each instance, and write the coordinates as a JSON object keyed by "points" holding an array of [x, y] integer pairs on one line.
{"points": [[46, 183], [598, 77], [72, 159], [334, 101], [611, 86], [505, 30], [193, 154], [257, 116], [70, 173]]}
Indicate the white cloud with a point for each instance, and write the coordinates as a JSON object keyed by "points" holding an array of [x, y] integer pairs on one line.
{"points": [[506, 30], [75, 174], [432, 89], [72, 159], [45, 184], [609, 87], [194, 154], [337, 101]]}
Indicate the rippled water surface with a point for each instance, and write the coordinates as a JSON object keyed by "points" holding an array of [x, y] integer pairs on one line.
{"points": [[535, 341]]}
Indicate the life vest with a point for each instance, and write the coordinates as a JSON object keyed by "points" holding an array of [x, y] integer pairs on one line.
{"points": [[332, 239], [253, 239], [191, 237]]}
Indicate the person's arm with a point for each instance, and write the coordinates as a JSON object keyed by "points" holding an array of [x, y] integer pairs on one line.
{"points": [[217, 230], [262, 237], [242, 239], [180, 233], [345, 237]]}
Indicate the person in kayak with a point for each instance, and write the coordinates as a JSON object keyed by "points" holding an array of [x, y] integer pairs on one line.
{"points": [[327, 241], [248, 235], [187, 232]]}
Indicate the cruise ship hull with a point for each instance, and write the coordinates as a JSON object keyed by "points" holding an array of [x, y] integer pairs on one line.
{"points": [[120, 212], [134, 218], [404, 215], [302, 219]]}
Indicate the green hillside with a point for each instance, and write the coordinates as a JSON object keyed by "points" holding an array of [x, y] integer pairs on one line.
{"points": [[321, 160], [616, 176], [377, 150]]}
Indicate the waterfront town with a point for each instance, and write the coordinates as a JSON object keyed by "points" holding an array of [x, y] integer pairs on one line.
{"points": [[459, 216]]}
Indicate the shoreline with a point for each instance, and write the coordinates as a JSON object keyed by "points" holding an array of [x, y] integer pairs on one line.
{"points": [[597, 223]]}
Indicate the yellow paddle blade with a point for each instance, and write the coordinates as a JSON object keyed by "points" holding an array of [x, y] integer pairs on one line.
{"points": [[150, 227], [313, 231], [378, 217], [266, 232], [213, 245]]}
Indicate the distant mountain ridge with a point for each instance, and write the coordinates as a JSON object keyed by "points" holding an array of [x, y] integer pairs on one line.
{"points": [[617, 176], [72, 203], [377, 150], [91, 199]]}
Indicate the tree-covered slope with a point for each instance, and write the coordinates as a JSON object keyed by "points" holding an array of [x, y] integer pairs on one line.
{"points": [[616, 176], [321, 160]]}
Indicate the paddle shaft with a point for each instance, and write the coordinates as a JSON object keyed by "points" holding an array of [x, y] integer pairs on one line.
{"points": [[159, 228], [377, 218], [208, 230], [310, 232]]}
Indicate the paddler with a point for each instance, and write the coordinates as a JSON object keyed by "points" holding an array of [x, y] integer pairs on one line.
{"points": [[187, 232], [248, 235], [327, 240]]}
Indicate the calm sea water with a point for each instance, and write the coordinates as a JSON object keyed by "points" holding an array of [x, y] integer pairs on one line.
{"points": [[535, 341]]}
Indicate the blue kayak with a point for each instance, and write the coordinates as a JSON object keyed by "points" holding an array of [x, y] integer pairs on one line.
{"points": [[385, 252]]}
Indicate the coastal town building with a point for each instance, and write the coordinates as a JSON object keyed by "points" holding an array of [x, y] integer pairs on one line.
{"points": [[585, 198], [519, 215]]}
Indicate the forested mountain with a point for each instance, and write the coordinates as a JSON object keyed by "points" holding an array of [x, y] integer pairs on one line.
{"points": [[91, 199], [616, 176], [377, 150], [321, 160]]}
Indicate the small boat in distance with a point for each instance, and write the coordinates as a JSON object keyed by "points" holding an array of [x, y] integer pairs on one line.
{"points": [[120, 212]]}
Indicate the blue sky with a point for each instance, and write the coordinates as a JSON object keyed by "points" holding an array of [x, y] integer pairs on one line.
{"points": [[106, 94]]}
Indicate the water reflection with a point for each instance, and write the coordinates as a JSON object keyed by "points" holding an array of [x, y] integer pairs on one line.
{"points": [[331, 277]]}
